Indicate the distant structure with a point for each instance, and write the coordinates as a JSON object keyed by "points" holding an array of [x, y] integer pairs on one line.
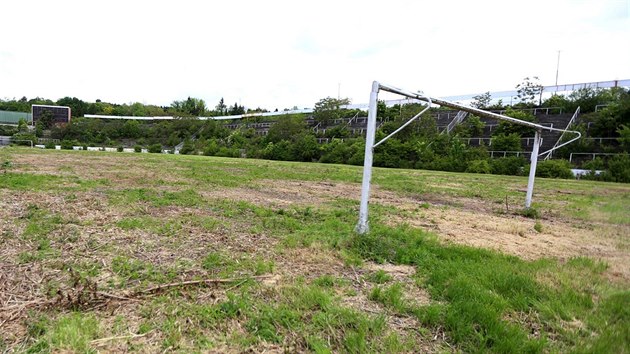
{"points": [[60, 114], [13, 118]]}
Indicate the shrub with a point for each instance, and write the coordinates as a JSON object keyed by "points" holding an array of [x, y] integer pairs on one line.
{"points": [[155, 148], [507, 165], [188, 148], [137, 148], [50, 145], [554, 169], [22, 138], [228, 152], [120, 149], [619, 169], [211, 148], [66, 145], [503, 142], [479, 166]]}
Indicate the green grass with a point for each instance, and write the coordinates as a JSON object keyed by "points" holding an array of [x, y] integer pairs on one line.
{"points": [[27, 181], [72, 332], [478, 290]]}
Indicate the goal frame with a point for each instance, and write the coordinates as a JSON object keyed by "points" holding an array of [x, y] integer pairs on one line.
{"points": [[362, 226]]}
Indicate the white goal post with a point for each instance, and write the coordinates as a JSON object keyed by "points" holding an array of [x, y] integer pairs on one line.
{"points": [[362, 226]]}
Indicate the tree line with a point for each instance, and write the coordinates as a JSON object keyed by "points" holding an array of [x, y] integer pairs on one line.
{"points": [[605, 113]]}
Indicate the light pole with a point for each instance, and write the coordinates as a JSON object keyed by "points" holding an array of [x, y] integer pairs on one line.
{"points": [[557, 70]]}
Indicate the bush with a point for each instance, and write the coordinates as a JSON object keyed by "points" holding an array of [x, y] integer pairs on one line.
{"points": [[188, 148], [507, 165], [479, 166], [23, 138], [137, 148], [503, 142], [619, 169], [228, 152], [554, 169], [211, 149], [67, 144], [50, 145], [155, 148], [120, 148]]}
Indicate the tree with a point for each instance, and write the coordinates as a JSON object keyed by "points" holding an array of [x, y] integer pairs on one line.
{"points": [[236, 109], [191, 106], [506, 127], [221, 108], [286, 128], [529, 90], [624, 137], [46, 119], [329, 108], [77, 106], [23, 126], [482, 100], [506, 142]]}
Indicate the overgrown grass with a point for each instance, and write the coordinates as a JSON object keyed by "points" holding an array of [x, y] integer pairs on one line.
{"points": [[479, 291], [482, 300], [71, 332]]}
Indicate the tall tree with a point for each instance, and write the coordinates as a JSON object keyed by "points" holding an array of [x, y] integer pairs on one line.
{"points": [[236, 109], [221, 108], [329, 108], [529, 90], [482, 100]]}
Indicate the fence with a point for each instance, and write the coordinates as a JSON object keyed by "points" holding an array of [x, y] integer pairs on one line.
{"points": [[9, 117]]}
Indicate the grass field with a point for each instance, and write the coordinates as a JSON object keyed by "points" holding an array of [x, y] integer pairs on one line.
{"points": [[164, 253]]}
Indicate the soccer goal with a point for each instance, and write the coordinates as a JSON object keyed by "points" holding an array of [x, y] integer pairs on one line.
{"points": [[362, 226]]}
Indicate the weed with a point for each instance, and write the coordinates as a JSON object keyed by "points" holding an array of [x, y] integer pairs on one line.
{"points": [[326, 281], [379, 277], [72, 332], [538, 226], [391, 297], [530, 212]]}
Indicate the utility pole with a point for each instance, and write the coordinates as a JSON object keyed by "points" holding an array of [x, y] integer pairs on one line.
{"points": [[557, 70]]}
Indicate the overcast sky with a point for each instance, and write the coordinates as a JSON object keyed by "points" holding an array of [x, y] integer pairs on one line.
{"points": [[280, 54]]}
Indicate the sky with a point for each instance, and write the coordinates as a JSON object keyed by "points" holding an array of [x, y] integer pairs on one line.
{"points": [[280, 54]]}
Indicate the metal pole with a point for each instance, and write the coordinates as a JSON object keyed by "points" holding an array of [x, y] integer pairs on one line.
{"points": [[532, 170], [557, 70], [362, 226]]}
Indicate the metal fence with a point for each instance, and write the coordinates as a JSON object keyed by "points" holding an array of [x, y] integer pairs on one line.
{"points": [[9, 117]]}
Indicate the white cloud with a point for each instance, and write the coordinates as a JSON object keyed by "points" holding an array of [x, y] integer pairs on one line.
{"points": [[277, 54]]}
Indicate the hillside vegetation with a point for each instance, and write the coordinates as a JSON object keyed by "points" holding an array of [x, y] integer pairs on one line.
{"points": [[604, 123]]}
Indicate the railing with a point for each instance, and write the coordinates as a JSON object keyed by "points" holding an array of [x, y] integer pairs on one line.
{"points": [[533, 111], [600, 106], [593, 154], [10, 140], [458, 119], [505, 153], [556, 146], [48, 140], [480, 140]]}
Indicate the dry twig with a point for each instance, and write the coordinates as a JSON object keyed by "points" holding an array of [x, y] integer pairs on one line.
{"points": [[198, 282]]}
